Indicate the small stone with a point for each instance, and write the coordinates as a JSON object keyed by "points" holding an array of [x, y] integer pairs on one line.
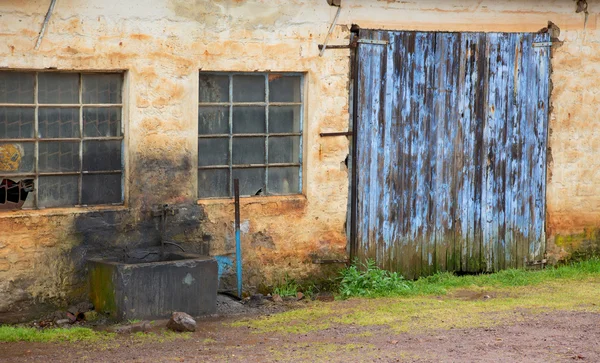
{"points": [[325, 296], [62, 322], [71, 317], [486, 297], [256, 300], [181, 322], [74, 310], [299, 296], [277, 298], [90, 315]]}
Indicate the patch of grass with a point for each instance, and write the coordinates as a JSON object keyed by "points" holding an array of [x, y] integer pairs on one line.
{"points": [[367, 280], [133, 321], [27, 334], [286, 288], [291, 321]]}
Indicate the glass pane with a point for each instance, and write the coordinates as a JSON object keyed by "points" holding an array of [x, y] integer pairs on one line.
{"points": [[58, 156], [16, 122], [16, 87], [16, 193], [284, 180], [102, 122], [213, 120], [284, 149], [213, 183], [58, 87], [252, 181], [102, 155], [58, 122], [17, 157], [248, 88], [213, 88], [249, 120], [248, 150], [58, 191], [102, 88], [284, 119], [213, 151], [101, 189], [284, 88]]}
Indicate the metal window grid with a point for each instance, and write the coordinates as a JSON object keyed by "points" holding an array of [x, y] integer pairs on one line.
{"points": [[231, 104], [36, 139]]}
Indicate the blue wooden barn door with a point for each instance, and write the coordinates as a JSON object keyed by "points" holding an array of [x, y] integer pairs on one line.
{"points": [[451, 150]]}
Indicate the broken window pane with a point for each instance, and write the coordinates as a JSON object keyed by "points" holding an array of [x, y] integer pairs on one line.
{"points": [[101, 189], [16, 122], [17, 157], [102, 121], [252, 180], [102, 155], [249, 120], [16, 87], [248, 150], [58, 122], [284, 119], [213, 183], [58, 156], [284, 88], [284, 149], [284, 180], [58, 88], [248, 88], [102, 88], [57, 191], [213, 120], [213, 88], [213, 151], [16, 193]]}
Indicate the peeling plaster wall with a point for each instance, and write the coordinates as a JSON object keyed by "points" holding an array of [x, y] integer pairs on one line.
{"points": [[161, 44]]}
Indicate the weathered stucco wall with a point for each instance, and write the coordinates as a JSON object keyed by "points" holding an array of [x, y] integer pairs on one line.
{"points": [[162, 44]]}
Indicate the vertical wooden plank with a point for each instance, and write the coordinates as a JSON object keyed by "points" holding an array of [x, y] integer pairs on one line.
{"points": [[488, 216], [542, 60]]}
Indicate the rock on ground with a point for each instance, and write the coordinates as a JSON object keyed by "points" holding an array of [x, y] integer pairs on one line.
{"points": [[181, 322]]}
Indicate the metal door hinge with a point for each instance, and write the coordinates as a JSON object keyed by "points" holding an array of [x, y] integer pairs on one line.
{"points": [[373, 41], [542, 44]]}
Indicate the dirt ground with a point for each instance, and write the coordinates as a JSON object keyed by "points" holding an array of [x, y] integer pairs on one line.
{"points": [[555, 322]]}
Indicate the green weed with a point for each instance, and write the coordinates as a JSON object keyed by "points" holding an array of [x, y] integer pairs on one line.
{"points": [[287, 287]]}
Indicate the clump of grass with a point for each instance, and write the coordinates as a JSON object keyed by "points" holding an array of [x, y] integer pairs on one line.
{"points": [[27, 334], [286, 288], [367, 280]]}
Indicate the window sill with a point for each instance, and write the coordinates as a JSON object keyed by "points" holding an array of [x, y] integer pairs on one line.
{"points": [[264, 200], [21, 213]]}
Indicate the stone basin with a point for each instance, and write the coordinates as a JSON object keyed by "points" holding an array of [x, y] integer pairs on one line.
{"points": [[154, 286]]}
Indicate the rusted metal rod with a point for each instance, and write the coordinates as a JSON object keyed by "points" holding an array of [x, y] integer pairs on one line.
{"points": [[238, 242], [45, 24]]}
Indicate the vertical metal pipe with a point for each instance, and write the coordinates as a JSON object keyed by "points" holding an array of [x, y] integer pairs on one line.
{"points": [[238, 243]]}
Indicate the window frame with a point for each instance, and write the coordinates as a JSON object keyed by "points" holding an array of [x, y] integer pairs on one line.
{"points": [[230, 104], [36, 139]]}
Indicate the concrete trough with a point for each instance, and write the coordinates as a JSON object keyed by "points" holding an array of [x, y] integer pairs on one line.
{"points": [[154, 287]]}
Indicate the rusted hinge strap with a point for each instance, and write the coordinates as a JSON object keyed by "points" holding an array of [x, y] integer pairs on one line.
{"points": [[342, 46], [542, 44], [337, 133], [373, 41]]}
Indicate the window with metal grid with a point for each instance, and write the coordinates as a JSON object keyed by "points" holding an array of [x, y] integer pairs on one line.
{"points": [[61, 139], [249, 128]]}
